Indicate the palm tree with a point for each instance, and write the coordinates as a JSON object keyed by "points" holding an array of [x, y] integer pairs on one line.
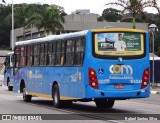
{"points": [[50, 19], [21, 16], [135, 7]]}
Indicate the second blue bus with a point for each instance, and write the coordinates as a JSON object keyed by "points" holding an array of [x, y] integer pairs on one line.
{"points": [[8, 73]]}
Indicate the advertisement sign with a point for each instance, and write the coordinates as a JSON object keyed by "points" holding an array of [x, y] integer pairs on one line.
{"points": [[119, 44]]}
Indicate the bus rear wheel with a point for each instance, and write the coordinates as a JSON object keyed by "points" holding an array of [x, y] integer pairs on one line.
{"points": [[104, 103], [26, 98], [56, 99]]}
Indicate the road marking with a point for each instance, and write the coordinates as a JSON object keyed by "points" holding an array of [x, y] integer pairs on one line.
{"points": [[5, 87], [147, 110], [151, 104], [139, 105], [19, 96], [115, 121]]}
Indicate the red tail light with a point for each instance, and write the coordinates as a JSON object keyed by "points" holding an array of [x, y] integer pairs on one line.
{"points": [[145, 79], [93, 82]]}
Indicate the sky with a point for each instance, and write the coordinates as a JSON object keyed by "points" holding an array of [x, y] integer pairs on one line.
{"points": [[95, 6]]}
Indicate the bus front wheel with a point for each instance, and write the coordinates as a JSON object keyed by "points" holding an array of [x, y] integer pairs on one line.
{"points": [[104, 103], [10, 88], [26, 98]]}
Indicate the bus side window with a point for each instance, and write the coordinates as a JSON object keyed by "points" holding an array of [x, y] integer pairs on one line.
{"points": [[58, 53], [79, 53], [45, 53], [22, 56], [63, 52], [53, 53], [17, 56], [69, 53], [36, 54], [49, 54], [28, 57], [42, 55], [32, 55]]}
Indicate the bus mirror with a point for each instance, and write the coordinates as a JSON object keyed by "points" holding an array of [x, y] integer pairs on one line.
{"points": [[5, 63], [13, 60]]}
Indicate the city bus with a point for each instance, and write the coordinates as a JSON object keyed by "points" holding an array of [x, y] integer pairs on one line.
{"points": [[8, 72], [101, 65]]}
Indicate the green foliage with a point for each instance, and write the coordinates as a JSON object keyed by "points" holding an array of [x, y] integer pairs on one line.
{"points": [[22, 15], [157, 44], [111, 15], [4, 26], [155, 19], [50, 19], [135, 7]]}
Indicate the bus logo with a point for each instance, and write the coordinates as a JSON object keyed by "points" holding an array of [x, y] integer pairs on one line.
{"points": [[121, 69]]}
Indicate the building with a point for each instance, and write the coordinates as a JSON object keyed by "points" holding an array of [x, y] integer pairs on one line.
{"points": [[73, 23], [81, 11]]}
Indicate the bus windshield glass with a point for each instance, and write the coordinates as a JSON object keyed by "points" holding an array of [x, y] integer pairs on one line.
{"points": [[119, 44]]}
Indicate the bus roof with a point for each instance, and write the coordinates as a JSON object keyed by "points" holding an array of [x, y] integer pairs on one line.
{"points": [[52, 37], [119, 30], [75, 34]]}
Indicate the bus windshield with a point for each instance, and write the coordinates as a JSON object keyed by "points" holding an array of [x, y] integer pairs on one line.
{"points": [[119, 44]]}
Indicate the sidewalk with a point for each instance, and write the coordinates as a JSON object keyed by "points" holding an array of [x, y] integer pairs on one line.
{"points": [[155, 90], [1, 79]]}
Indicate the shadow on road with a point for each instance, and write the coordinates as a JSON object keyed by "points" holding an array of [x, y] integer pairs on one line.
{"points": [[80, 107], [85, 111]]}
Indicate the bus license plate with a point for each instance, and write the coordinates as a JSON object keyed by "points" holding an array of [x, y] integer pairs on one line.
{"points": [[119, 86]]}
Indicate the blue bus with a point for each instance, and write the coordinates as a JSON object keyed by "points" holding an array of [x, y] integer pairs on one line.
{"points": [[8, 73], [101, 65]]}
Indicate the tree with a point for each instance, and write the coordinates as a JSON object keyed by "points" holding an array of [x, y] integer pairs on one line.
{"points": [[4, 26], [111, 15], [21, 15], [50, 19], [156, 20], [135, 7]]}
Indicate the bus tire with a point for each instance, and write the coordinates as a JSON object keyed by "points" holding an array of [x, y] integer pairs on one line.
{"points": [[104, 103], [26, 98], [10, 88], [56, 99]]}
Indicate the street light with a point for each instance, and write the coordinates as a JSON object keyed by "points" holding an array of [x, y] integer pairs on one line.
{"points": [[12, 27], [152, 29]]}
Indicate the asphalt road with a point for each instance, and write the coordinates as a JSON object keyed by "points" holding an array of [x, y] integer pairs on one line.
{"points": [[12, 103]]}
